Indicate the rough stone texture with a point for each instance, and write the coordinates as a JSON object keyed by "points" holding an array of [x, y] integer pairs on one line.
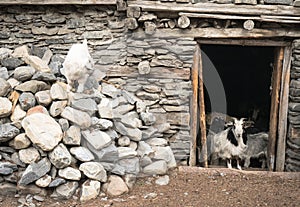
{"points": [[43, 97], [115, 186], [8, 132], [82, 154], [58, 91], [18, 114], [5, 87], [80, 118], [94, 170], [65, 191], [24, 73], [43, 181], [35, 171], [5, 107], [42, 130], [70, 173], [284, 2], [158, 167], [60, 156], [97, 139], [21, 141], [90, 189], [87, 105], [29, 155], [72, 136], [32, 86], [27, 101]]}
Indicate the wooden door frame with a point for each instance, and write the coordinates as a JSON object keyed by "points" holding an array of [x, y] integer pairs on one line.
{"points": [[279, 99]]}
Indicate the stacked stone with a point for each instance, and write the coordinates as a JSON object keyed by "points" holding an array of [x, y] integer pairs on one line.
{"points": [[86, 142], [163, 82], [59, 27], [293, 141]]}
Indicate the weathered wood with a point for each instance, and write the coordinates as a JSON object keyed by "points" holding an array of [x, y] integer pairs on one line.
{"points": [[49, 2], [156, 72], [245, 42], [221, 33], [283, 110], [262, 18], [213, 8], [194, 106], [183, 22], [276, 82], [202, 120], [248, 25]]}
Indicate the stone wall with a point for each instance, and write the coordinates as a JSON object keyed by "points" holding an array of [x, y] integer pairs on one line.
{"points": [[293, 139], [156, 70]]}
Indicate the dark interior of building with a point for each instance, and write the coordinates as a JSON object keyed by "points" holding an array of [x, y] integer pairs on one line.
{"points": [[246, 73]]}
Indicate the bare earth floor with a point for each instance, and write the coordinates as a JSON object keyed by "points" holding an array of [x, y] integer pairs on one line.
{"points": [[198, 187]]}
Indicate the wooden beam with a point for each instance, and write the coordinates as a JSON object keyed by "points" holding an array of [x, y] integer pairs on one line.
{"points": [[194, 106], [283, 110], [202, 120], [276, 82], [213, 8], [156, 72], [244, 42], [220, 33], [53, 2], [263, 18]]}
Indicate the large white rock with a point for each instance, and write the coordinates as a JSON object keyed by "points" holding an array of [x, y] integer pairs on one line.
{"points": [[72, 136], [156, 168], [21, 141], [126, 152], [58, 91], [42, 130], [18, 114], [94, 170], [89, 189], [44, 181]]}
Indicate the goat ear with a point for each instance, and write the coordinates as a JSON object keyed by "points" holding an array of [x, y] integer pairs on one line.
{"points": [[243, 119]]}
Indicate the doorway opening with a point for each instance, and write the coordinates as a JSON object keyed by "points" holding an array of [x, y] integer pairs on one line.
{"points": [[246, 76]]}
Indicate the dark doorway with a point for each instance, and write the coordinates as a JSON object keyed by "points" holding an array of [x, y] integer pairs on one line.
{"points": [[246, 73]]}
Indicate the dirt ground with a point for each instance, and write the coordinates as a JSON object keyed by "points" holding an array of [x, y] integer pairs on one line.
{"points": [[198, 187]]}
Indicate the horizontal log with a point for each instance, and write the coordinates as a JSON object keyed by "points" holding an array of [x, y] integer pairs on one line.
{"points": [[220, 33], [156, 72], [53, 2], [263, 18], [213, 8]]}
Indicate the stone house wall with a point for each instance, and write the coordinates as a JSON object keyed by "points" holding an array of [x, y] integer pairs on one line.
{"points": [[156, 69]]}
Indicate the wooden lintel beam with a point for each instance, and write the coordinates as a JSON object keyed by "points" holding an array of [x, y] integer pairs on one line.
{"points": [[58, 2], [207, 33], [217, 8]]}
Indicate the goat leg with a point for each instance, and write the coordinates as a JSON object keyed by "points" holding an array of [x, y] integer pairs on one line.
{"points": [[229, 163]]}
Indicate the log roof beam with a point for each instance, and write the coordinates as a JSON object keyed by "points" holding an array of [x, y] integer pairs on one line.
{"points": [[212, 8]]}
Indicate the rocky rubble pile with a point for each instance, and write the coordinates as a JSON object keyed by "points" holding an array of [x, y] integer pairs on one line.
{"points": [[60, 143]]}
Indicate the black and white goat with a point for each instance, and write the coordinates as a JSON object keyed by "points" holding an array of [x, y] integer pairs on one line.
{"points": [[230, 143]]}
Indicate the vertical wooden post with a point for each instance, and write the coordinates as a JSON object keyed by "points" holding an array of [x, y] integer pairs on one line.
{"points": [[283, 110], [202, 115], [194, 107], [276, 80]]}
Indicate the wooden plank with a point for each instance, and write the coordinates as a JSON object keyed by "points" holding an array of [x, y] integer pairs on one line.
{"points": [[220, 33], [194, 106], [52, 2], [276, 82], [244, 42], [283, 110], [202, 120], [156, 72], [264, 18], [213, 8]]}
